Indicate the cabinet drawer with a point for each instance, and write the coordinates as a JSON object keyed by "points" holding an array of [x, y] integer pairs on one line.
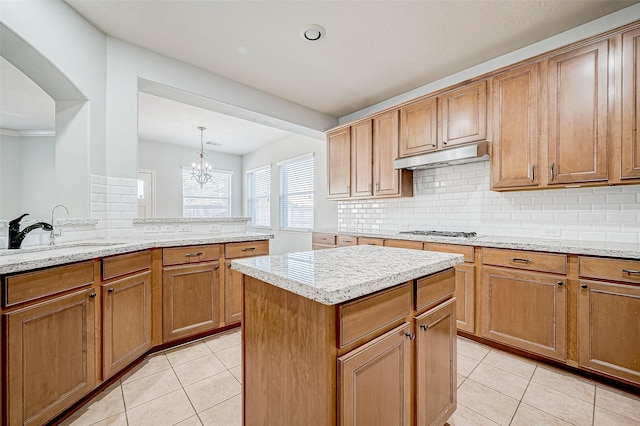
{"points": [[434, 289], [33, 285], [370, 241], [190, 254], [609, 269], [466, 251], [372, 315], [123, 264], [321, 238], [246, 249], [529, 260], [414, 245], [346, 240]]}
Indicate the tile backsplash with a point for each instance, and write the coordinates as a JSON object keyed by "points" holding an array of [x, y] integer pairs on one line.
{"points": [[458, 198]]}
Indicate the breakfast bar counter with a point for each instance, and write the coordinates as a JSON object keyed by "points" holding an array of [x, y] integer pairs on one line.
{"points": [[362, 331]]}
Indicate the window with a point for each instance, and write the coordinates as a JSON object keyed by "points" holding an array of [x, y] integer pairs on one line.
{"points": [[258, 196], [296, 193], [214, 200]]}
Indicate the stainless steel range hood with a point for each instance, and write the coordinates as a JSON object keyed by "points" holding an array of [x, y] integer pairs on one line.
{"points": [[446, 157]]}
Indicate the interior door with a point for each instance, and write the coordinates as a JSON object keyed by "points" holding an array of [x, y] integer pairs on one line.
{"points": [[146, 193]]}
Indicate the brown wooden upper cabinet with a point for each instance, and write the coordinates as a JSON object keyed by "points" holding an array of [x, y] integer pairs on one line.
{"points": [[578, 115], [629, 157], [515, 161], [360, 160], [419, 127]]}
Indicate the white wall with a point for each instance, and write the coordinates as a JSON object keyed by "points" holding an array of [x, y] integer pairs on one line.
{"points": [[167, 160], [10, 160], [324, 212]]}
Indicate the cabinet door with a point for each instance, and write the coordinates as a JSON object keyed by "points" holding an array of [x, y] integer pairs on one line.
{"points": [[361, 159], [465, 297], [578, 87], [527, 310], [630, 153], [386, 179], [232, 295], [374, 381], [515, 133], [51, 357], [609, 329], [436, 372], [190, 299], [464, 115], [126, 321], [419, 127], [339, 163]]}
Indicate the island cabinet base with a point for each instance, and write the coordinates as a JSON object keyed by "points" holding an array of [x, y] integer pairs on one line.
{"points": [[388, 358]]}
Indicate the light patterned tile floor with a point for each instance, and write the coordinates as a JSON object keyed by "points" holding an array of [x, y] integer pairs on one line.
{"points": [[199, 384]]}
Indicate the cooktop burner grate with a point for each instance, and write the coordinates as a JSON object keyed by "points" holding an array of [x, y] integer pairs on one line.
{"points": [[441, 233]]}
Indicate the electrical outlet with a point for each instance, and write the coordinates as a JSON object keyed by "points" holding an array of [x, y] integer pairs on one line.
{"points": [[167, 229], [184, 228], [551, 232], [150, 229], [215, 229]]}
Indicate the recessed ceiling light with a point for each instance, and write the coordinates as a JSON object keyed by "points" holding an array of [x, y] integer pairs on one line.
{"points": [[312, 32]]}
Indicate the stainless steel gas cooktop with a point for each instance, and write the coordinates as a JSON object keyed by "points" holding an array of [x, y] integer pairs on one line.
{"points": [[441, 233]]}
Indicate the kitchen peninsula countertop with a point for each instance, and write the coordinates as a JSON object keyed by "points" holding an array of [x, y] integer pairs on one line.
{"points": [[30, 258], [552, 245], [335, 276]]}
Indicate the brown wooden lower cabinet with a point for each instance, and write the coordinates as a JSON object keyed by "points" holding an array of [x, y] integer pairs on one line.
{"points": [[126, 321], [527, 310], [51, 353], [232, 295], [609, 329], [465, 297], [398, 371], [191, 299]]}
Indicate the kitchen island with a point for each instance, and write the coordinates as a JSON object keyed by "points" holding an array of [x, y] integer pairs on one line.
{"points": [[353, 335]]}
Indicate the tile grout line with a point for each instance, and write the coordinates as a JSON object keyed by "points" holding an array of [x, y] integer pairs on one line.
{"points": [[523, 394]]}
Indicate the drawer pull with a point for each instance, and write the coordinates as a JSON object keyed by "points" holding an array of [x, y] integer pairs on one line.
{"points": [[92, 294], [519, 259], [424, 327], [194, 254], [631, 271], [111, 290], [583, 286], [410, 335], [560, 283], [248, 249]]}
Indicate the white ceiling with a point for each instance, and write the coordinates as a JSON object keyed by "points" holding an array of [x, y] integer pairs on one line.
{"points": [[372, 51]]}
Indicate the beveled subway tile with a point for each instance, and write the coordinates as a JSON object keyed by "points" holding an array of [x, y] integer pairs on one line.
{"points": [[151, 365], [166, 410], [604, 417], [107, 404], [466, 417], [618, 402], [558, 404], [230, 357], [500, 380], [511, 363], [212, 391], [529, 416], [487, 402], [198, 369], [565, 382], [472, 349], [223, 341], [150, 387], [466, 365], [227, 413], [187, 353]]}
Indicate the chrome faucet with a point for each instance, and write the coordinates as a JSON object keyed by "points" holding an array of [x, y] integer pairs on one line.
{"points": [[52, 234], [16, 235]]}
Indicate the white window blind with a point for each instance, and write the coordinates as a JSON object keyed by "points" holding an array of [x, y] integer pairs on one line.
{"points": [[258, 196], [213, 200], [296, 193]]}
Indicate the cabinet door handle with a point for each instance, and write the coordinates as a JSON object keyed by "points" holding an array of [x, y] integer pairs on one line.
{"points": [[92, 294], [216, 267], [583, 286], [229, 265], [111, 290], [519, 259], [553, 167], [631, 271], [248, 249], [410, 335], [560, 283], [533, 172], [194, 254], [424, 327]]}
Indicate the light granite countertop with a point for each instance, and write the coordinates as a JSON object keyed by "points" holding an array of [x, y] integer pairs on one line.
{"points": [[30, 258], [338, 275], [551, 245]]}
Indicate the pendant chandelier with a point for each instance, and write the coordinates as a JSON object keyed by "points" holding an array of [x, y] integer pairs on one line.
{"points": [[201, 170]]}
